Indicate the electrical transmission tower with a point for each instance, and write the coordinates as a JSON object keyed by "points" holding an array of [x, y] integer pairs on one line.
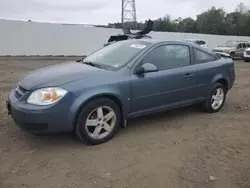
{"points": [[129, 13]]}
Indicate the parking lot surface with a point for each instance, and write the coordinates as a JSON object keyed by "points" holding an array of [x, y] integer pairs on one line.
{"points": [[174, 149]]}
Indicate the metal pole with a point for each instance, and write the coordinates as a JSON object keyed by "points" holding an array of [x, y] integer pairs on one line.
{"points": [[128, 12], [122, 18]]}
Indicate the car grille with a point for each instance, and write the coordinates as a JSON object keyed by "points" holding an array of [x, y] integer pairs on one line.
{"points": [[248, 52], [19, 91]]}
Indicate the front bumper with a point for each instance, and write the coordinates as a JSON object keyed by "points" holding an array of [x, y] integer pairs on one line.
{"points": [[246, 56], [55, 118]]}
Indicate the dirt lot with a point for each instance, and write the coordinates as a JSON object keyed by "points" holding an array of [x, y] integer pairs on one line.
{"points": [[181, 148]]}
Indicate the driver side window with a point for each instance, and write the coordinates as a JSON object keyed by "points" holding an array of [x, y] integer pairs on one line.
{"points": [[169, 56], [239, 46]]}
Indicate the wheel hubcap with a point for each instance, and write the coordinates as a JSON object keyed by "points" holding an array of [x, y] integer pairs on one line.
{"points": [[100, 122], [217, 98]]}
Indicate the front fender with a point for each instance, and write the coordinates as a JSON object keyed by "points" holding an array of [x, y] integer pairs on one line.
{"points": [[123, 100], [119, 91], [87, 96]]}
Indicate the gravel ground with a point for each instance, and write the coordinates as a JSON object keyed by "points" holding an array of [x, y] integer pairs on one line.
{"points": [[180, 148]]}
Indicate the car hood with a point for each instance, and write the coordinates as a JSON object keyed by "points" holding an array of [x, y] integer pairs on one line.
{"points": [[223, 54], [59, 74]]}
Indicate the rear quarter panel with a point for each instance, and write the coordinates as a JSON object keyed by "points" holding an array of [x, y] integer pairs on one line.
{"points": [[211, 72]]}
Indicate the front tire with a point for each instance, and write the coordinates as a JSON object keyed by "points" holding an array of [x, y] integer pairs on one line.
{"points": [[216, 99], [247, 61], [98, 121]]}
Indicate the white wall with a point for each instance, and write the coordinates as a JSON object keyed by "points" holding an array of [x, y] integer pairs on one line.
{"points": [[28, 38]]}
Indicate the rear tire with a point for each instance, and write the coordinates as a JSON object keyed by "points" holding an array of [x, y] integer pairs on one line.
{"points": [[216, 99], [98, 121]]}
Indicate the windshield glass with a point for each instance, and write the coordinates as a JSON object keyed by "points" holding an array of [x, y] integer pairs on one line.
{"points": [[230, 44], [117, 54]]}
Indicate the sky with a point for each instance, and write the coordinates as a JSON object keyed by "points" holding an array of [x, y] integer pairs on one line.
{"points": [[105, 11]]}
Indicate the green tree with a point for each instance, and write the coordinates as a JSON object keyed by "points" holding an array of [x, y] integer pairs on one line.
{"points": [[187, 25], [165, 24], [211, 21]]}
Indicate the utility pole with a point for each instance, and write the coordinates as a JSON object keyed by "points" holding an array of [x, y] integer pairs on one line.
{"points": [[129, 13]]}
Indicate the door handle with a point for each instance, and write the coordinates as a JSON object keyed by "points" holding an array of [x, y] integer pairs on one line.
{"points": [[188, 75]]}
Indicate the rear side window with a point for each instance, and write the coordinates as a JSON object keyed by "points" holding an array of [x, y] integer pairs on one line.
{"points": [[202, 57]]}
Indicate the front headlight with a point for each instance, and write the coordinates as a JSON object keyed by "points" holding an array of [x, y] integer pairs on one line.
{"points": [[46, 96]]}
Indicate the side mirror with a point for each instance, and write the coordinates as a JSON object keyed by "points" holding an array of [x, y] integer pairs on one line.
{"points": [[145, 68]]}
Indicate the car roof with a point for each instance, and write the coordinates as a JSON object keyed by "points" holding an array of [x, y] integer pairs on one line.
{"points": [[152, 41], [157, 41]]}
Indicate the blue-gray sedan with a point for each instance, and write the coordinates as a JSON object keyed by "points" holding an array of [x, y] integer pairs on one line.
{"points": [[96, 96]]}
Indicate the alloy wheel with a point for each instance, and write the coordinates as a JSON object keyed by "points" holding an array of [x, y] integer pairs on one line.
{"points": [[100, 122], [217, 98]]}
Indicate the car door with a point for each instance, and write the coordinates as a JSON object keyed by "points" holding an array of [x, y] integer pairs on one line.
{"points": [[244, 47], [238, 50], [171, 85]]}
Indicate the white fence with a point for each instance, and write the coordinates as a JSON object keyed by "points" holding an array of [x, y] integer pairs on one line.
{"points": [[29, 38]]}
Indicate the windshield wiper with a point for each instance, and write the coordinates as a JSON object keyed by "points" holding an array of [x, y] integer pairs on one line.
{"points": [[92, 64]]}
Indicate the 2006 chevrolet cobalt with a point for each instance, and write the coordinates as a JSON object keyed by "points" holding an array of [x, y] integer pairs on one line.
{"points": [[96, 96]]}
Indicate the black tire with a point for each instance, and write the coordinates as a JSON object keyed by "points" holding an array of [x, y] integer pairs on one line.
{"points": [[232, 55], [247, 61], [207, 105], [84, 113]]}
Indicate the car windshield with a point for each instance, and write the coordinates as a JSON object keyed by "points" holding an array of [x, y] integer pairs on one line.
{"points": [[117, 54], [230, 44]]}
